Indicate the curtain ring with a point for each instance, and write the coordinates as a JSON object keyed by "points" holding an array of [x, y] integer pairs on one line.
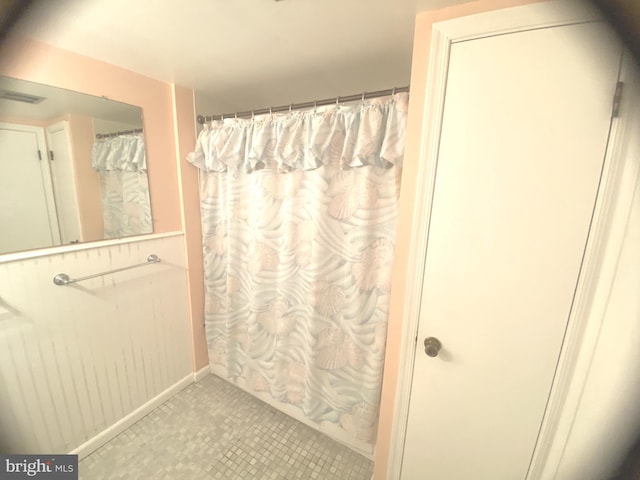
{"points": [[221, 116], [290, 107], [393, 91], [363, 95], [270, 112], [337, 101], [253, 114], [236, 115]]}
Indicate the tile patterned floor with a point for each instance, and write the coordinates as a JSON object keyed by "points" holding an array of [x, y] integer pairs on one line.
{"points": [[213, 430]]}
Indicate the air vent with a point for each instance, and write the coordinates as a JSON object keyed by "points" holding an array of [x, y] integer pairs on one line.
{"points": [[20, 97]]}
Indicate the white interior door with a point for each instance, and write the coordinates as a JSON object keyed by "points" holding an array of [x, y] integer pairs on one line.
{"points": [[27, 209], [64, 181], [524, 133]]}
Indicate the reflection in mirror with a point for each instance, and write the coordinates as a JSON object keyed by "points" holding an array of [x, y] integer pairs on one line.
{"points": [[72, 168]]}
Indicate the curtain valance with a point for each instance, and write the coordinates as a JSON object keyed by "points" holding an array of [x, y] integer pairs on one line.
{"points": [[354, 135], [124, 153]]}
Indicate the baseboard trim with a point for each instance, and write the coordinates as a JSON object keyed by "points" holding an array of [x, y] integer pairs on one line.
{"points": [[110, 432], [200, 374]]}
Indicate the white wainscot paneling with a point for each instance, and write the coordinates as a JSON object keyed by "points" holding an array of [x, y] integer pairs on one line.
{"points": [[78, 359]]}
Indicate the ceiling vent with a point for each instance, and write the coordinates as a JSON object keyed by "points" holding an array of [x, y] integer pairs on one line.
{"points": [[20, 97]]}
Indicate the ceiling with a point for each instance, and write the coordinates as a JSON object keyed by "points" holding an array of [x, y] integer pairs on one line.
{"points": [[242, 54]]}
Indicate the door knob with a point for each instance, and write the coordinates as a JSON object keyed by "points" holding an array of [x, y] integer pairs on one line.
{"points": [[432, 346]]}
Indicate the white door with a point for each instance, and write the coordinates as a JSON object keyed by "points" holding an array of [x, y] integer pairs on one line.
{"points": [[27, 209], [64, 181], [524, 133]]}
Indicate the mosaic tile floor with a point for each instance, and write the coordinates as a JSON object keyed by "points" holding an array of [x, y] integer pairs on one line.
{"points": [[213, 430]]}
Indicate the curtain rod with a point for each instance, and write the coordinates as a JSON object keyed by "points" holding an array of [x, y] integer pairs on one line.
{"points": [[301, 106], [116, 134]]}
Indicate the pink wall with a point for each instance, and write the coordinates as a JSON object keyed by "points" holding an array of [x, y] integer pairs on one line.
{"points": [[170, 133], [190, 193], [39, 62], [87, 179], [419, 74]]}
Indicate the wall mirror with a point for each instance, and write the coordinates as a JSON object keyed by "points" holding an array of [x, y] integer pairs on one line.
{"points": [[72, 168]]}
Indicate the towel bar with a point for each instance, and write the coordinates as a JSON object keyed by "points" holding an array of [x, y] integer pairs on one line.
{"points": [[64, 279]]}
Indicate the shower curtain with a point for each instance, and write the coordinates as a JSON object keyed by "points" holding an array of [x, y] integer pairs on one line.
{"points": [[299, 220], [122, 166]]}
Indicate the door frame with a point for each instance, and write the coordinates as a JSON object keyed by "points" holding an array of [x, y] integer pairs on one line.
{"points": [[613, 194], [71, 182], [614, 201]]}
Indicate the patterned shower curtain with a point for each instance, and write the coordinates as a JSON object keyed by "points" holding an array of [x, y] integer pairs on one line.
{"points": [[121, 163], [299, 221]]}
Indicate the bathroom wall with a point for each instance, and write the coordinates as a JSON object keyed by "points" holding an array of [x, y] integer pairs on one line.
{"points": [[80, 363], [169, 129], [190, 195], [38, 62], [87, 180], [77, 359]]}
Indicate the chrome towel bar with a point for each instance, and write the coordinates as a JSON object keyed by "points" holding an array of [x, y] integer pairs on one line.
{"points": [[64, 279]]}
